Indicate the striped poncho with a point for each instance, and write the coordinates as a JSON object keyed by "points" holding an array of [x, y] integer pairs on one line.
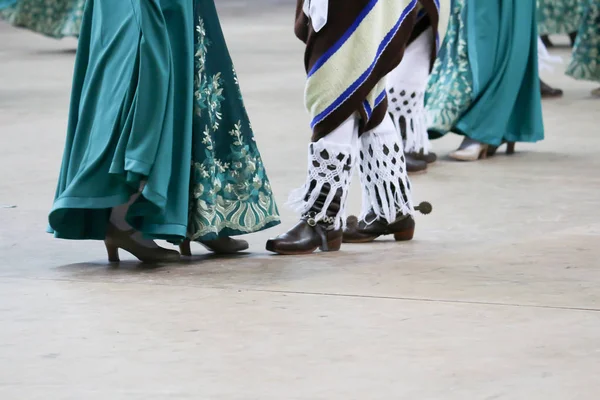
{"points": [[348, 58]]}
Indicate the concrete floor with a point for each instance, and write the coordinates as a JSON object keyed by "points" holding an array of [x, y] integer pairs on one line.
{"points": [[497, 298]]}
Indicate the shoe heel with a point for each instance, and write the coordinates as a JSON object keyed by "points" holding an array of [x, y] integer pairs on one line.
{"points": [[483, 154], [113, 252], [510, 148], [333, 245], [185, 248], [404, 236], [492, 151]]}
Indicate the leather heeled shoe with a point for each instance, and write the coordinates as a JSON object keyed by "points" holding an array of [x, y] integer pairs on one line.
{"points": [[548, 92], [414, 165], [222, 245], [546, 40], [117, 239], [306, 237], [403, 228], [359, 231], [310, 234], [429, 158], [510, 149], [470, 150]]}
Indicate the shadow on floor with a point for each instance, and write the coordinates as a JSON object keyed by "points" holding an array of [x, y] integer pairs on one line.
{"points": [[53, 52]]}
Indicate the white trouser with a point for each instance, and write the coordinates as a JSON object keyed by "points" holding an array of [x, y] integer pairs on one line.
{"points": [[331, 161], [545, 60], [406, 86]]}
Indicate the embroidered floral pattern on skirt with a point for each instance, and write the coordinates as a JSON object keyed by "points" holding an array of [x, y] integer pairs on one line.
{"points": [[559, 16], [586, 53], [231, 194], [451, 83]]}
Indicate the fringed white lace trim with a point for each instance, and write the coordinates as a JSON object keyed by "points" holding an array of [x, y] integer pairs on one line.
{"points": [[406, 86], [328, 163], [386, 188], [407, 102]]}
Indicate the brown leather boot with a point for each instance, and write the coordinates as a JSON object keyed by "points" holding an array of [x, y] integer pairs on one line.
{"points": [[306, 237], [413, 165], [403, 228], [310, 234], [361, 232], [548, 91], [429, 158]]}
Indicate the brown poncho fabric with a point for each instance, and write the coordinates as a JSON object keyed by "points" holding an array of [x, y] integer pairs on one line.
{"points": [[348, 59]]}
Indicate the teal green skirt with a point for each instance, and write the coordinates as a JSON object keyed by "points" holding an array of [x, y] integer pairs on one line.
{"points": [[54, 18], [156, 105], [485, 82], [585, 64]]}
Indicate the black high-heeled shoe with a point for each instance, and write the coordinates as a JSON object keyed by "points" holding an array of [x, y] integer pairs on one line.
{"points": [[510, 149], [224, 245], [117, 239]]}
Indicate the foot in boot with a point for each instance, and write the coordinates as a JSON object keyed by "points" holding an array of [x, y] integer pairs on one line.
{"points": [[373, 226], [365, 231], [306, 237], [546, 41], [429, 158], [414, 165], [222, 245], [548, 91]]}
